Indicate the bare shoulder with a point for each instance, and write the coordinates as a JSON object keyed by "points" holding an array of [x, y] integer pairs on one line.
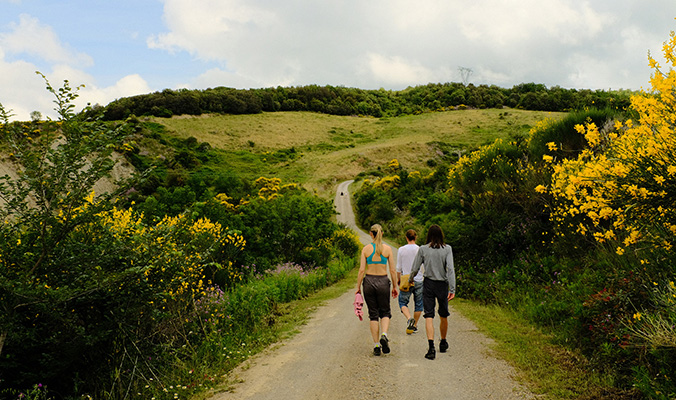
{"points": [[387, 250]]}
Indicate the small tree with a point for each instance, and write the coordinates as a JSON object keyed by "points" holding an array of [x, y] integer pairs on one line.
{"points": [[57, 163]]}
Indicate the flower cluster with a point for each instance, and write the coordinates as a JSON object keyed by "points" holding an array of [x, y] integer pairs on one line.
{"points": [[387, 182], [622, 188]]}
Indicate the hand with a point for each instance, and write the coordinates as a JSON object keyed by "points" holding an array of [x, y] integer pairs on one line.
{"points": [[358, 290], [394, 292], [451, 296]]}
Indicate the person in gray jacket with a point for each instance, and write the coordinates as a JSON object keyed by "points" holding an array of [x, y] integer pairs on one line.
{"points": [[438, 285]]}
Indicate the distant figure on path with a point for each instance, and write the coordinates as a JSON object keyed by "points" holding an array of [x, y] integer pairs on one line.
{"points": [[374, 262], [405, 256], [438, 285]]}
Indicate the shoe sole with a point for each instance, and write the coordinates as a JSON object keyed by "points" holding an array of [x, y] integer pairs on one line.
{"points": [[385, 346]]}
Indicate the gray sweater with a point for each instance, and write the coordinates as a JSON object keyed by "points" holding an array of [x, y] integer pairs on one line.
{"points": [[438, 264]]}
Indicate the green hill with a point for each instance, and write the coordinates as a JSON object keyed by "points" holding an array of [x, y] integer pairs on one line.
{"points": [[318, 150]]}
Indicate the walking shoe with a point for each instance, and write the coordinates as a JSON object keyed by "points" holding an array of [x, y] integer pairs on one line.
{"points": [[431, 353], [385, 343], [411, 326], [415, 329], [376, 351], [443, 346]]}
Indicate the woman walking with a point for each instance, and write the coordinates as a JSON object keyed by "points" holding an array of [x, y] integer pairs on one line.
{"points": [[438, 285], [375, 260]]}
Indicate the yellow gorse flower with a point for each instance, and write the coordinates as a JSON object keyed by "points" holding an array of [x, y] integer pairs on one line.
{"points": [[619, 185]]}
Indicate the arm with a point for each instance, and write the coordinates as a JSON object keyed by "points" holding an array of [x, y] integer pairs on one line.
{"points": [[362, 271], [399, 267], [450, 273], [417, 262], [394, 274]]}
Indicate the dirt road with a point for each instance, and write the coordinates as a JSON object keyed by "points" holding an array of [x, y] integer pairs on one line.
{"points": [[331, 358]]}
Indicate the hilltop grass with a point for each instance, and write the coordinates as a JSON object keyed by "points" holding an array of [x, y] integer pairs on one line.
{"points": [[319, 150]]}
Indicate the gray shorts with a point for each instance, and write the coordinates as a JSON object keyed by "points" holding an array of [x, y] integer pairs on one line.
{"points": [[377, 296]]}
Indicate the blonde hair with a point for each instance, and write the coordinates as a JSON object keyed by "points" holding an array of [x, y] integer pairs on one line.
{"points": [[377, 233]]}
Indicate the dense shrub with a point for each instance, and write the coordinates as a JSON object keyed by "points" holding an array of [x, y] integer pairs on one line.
{"points": [[99, 294], [352, 101]]}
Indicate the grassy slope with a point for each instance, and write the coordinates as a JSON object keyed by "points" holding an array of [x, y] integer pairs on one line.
{"points": [[330, 149]]}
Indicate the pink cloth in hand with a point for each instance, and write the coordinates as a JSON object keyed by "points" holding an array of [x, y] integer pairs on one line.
{"points": [[358, 305]]}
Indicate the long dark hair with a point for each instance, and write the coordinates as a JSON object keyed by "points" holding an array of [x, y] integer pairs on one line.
{"points": [[435, 237]]}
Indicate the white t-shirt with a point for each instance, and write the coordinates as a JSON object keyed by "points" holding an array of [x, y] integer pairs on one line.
{"points": [[405, 256]]}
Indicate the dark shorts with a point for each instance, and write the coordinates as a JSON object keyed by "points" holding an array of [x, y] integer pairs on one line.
{"points": [[377, 296], [435, 291]]}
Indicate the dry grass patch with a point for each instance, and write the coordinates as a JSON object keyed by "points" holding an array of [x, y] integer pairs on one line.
{"points": [[333, 148]]}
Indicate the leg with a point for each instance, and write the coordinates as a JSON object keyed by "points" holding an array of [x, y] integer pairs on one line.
{"points": [[385, 324], [416, 317], [429, 328], [418, 301], [375, 330], [443, 327], [407, 314]]}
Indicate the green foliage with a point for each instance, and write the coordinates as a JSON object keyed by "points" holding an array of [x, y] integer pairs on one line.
{"points": [[100, 292], [292, 227], [346, 241], [569, 143], [352, 101]]}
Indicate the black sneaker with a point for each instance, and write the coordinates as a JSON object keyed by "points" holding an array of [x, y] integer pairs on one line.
{"points": [[431, 353], [376, 351], [385, 343], [443, 346], [411, 326], [415, 329]]}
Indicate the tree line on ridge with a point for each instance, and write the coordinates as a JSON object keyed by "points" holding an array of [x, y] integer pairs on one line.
{"points": [[339, 100]]}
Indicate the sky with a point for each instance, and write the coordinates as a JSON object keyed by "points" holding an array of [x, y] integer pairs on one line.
{"points": [[128, 47]]}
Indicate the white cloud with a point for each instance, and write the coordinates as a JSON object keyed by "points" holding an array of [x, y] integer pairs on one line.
{"points": [[208, 27], [130, 85], [527, 21], [396, 43], [31, 37], [29, 96], [23, 91], [397, 71]]}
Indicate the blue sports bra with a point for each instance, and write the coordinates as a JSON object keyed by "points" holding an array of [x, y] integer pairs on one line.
{"points": [[369, 259]]}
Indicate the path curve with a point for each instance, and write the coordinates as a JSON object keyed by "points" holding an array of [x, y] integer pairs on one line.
{"points": [[331, 357]]}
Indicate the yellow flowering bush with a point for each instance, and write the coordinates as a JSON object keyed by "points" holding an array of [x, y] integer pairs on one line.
{"points": [[622, 188], [387, 182]]}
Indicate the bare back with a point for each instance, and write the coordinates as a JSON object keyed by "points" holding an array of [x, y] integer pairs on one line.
{"points": [[377, 268]]}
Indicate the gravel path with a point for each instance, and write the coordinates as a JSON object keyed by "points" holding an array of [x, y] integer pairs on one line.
{"points": [[331, 358]]}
